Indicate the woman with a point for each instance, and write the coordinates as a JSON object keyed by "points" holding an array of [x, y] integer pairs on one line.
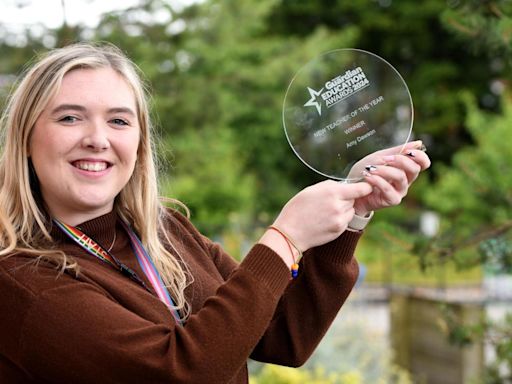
{"points": [[100, 283]]}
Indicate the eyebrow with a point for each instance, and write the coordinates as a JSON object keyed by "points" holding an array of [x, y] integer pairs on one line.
{"points": [[81, 108]]}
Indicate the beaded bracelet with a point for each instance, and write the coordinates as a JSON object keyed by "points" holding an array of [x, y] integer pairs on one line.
{"points": [[290, 242]]}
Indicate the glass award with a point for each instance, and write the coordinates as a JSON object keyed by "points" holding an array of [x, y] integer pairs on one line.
{"points": [[343, 106]]}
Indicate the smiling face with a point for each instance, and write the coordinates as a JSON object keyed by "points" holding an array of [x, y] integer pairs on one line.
{"points": [[84, 144]]}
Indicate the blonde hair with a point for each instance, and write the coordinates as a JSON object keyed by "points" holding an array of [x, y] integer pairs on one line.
{"points": [[24, 224]]}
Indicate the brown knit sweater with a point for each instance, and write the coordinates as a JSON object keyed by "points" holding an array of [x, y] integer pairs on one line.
{"points": [[102, 327]]}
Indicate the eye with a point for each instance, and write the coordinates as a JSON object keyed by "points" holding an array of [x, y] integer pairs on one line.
{"points": [[119, 122], [68, 119]]}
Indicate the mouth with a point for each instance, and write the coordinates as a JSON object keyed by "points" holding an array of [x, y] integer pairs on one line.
{"points": [[91, 166]]}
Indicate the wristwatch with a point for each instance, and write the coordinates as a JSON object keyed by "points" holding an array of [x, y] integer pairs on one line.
{"points": [[358, 223]]}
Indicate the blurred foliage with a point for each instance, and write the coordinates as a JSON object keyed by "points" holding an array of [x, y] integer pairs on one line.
{"points": [[486, 23], [497, 336], [273, 374], [473, 196], [473, 193], [218, 71], [394, 261], [416, 41], [349, 353], [357, 350]]}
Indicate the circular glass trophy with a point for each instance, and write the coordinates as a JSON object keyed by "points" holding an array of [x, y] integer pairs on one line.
{"points": [[344, 106]]}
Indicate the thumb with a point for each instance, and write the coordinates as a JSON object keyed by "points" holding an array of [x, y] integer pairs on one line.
{"points": [[352, 191]]}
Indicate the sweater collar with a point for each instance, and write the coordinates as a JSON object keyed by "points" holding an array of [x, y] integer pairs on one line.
{"points": [[101, 229]]}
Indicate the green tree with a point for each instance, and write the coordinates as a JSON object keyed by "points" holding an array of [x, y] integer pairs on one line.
{"points": [[419, 42], [473, 197], [473, 193], [218, 70]]}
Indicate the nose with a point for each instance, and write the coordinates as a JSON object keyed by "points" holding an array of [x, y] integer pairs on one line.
{"points": [[96, 137]]}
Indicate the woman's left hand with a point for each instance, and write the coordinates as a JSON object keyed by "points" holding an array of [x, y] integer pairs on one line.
{"points": [[391, 175]]}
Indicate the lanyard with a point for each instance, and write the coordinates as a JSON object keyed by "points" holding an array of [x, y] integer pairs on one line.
{"points": [[149, 269]]}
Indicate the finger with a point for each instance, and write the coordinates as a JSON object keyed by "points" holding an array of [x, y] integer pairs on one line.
{"points": [[387, 192], [407, 164], [396, 177], [420, 157], [352, 191], [414, 145]]}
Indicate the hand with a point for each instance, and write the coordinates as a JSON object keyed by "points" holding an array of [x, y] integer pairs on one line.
{"points": [[320, 213], [390, 174]]}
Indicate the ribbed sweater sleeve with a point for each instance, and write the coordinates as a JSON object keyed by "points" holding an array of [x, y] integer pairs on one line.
{"points": [[310, 303], [100, 326], [86, 337]]}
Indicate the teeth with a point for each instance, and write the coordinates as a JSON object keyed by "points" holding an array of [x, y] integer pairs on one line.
{"points": [[93, 167]]}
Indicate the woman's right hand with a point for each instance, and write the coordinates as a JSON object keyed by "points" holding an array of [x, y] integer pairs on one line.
{"points": [[318, 214]]}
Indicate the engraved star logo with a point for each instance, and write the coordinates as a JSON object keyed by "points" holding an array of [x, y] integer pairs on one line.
{"points": [[312, 102]]}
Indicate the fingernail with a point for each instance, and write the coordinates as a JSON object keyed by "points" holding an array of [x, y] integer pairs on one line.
{"points": [[388, 158], [370, 168], [366, 174], [423, 148]]}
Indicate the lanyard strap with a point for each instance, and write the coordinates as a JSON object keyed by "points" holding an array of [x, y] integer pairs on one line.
{"points": [[145, 262]]}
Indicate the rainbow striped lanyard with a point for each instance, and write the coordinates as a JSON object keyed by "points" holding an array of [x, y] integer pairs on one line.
{"points": [[145, 262]]}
